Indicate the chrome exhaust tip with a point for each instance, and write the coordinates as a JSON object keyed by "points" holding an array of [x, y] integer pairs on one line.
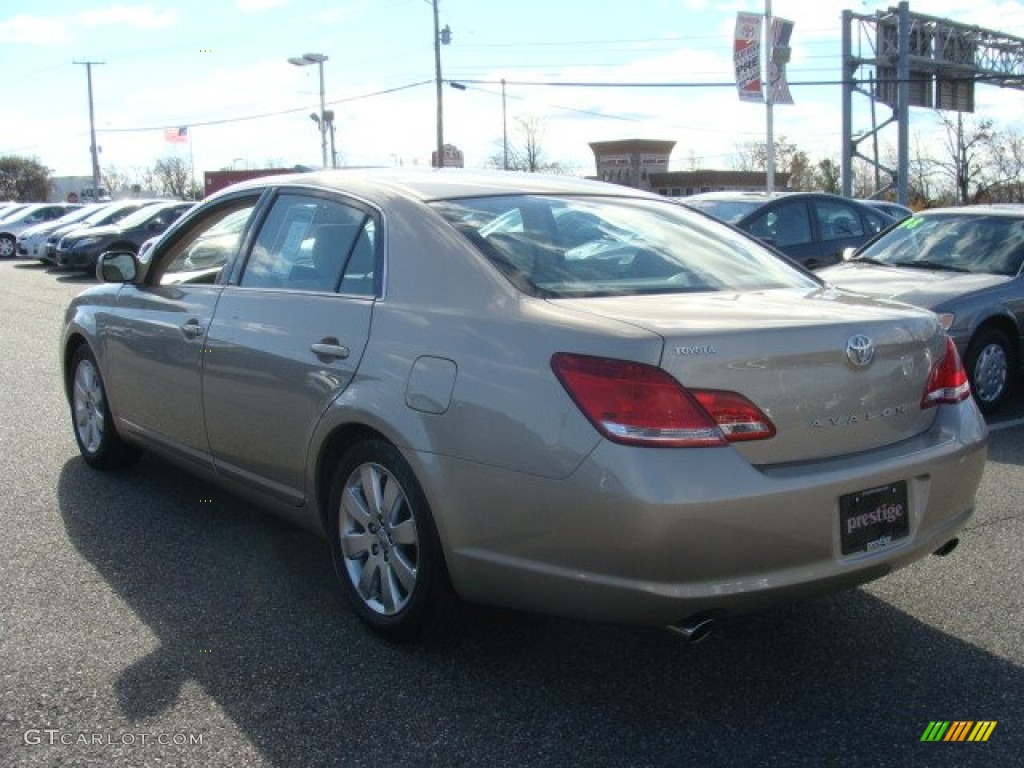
{"points": [[946, 548], [693, 629]]}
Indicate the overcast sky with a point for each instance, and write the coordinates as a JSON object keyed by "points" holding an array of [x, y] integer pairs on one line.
{"points": [[220, 67]]}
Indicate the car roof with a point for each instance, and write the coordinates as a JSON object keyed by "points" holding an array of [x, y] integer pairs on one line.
{"points": [[1008, 210], [757, 196], [425, 184]]}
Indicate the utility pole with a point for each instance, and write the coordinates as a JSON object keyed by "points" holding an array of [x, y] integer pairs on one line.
{"points": [[504, 126], [769, 100], [93, 149], [441, 37]]}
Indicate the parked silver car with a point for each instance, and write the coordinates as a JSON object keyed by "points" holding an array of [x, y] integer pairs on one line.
{"points": [[544, 393], [965, 264]]}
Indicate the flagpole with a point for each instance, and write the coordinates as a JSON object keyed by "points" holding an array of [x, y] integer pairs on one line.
{"points": [[769, 100], [191, 166]]}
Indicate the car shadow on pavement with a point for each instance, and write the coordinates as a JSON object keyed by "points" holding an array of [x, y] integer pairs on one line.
{"points": [[63, 276], [244, 605]]}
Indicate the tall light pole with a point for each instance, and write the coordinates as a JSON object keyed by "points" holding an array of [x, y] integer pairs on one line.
{"points": [[304, 61], [504, 126], [93, 149], [441, 37]]}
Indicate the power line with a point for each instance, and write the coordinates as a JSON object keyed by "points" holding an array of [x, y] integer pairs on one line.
{"points": [[725, 84], [226, 120]]}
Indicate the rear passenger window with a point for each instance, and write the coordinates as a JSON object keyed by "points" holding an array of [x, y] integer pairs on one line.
{"points": [[837, 220], [313, 244], [784, 225]]}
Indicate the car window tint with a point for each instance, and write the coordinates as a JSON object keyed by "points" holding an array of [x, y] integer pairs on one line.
{"points": [[305, 244], [206, 246], [785, 224], [837, 220]]}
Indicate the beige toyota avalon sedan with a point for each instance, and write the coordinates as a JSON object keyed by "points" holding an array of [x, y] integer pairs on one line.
{"points": [[544, 393]]}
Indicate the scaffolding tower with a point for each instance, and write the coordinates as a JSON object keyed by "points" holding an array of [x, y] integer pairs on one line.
{"points": [[900, 60]]}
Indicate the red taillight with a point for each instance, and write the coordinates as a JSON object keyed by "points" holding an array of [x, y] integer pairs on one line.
{"points": [[737, 417], [947, 382], [640, 404]]}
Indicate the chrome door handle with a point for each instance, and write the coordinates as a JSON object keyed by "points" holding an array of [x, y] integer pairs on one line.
{"points": [[332, 351], [192, 329]]}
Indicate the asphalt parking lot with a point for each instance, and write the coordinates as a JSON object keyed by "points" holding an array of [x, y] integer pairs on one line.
{"points": [[150, 619]]}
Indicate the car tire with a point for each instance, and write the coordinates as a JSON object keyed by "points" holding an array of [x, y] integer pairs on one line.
{"points": [[386, 551], [991, 368], [100, 444], [8, 247]]}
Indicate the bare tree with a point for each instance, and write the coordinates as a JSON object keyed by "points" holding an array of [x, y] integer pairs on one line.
{"points": [[172, 176], [119, 179], [964, 163], [753, 156], [526, 151], [1006, 163]]}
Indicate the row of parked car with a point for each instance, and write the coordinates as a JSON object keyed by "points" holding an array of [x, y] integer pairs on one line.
{"points": [[73, 236], [963, 264]]}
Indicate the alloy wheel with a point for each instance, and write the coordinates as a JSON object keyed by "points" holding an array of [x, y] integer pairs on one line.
{"points": [[379, 539], [89, 406]]}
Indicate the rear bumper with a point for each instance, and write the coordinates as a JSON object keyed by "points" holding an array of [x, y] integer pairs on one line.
{"points": [[654, 536]]}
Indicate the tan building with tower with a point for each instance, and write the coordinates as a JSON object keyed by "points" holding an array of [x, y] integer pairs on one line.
{"points": [[631, 161]]}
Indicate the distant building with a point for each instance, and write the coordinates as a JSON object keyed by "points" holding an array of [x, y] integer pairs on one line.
{"points": [[631, 161], [214, 181], [686, 183], [643, 163], [452, 157]]}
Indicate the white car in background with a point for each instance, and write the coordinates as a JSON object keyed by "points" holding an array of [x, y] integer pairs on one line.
{"points": [[29, 216], [32, 241]]}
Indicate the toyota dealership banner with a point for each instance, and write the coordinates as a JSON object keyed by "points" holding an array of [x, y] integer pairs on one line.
{"points": [[746, 56]]}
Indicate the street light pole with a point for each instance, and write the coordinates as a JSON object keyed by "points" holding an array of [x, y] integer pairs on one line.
{"points": [[304, 61]]}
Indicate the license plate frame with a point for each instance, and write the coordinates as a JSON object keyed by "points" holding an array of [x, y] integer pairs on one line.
{"points": [[874, 518]]}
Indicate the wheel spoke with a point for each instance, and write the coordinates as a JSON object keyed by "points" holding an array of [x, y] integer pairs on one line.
{"points": [[356, 545], [390, 594], [355, 506], [404, 534], [369, 575], [401, 568], [370, 480], [93, 435], [392, 500]]}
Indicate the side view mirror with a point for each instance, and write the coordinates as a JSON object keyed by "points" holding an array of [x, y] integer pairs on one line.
{"points": [[116, 267], [848, 253]]}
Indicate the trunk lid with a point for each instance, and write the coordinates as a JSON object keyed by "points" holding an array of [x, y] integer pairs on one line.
{"points": [[786, 351]]}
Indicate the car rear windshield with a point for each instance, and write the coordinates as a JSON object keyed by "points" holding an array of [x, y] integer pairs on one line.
{"points": [[611, 246], [724, 210], [960, 242]]}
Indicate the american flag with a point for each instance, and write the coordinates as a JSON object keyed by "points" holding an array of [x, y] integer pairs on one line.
{"points": [[178, 135]]}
